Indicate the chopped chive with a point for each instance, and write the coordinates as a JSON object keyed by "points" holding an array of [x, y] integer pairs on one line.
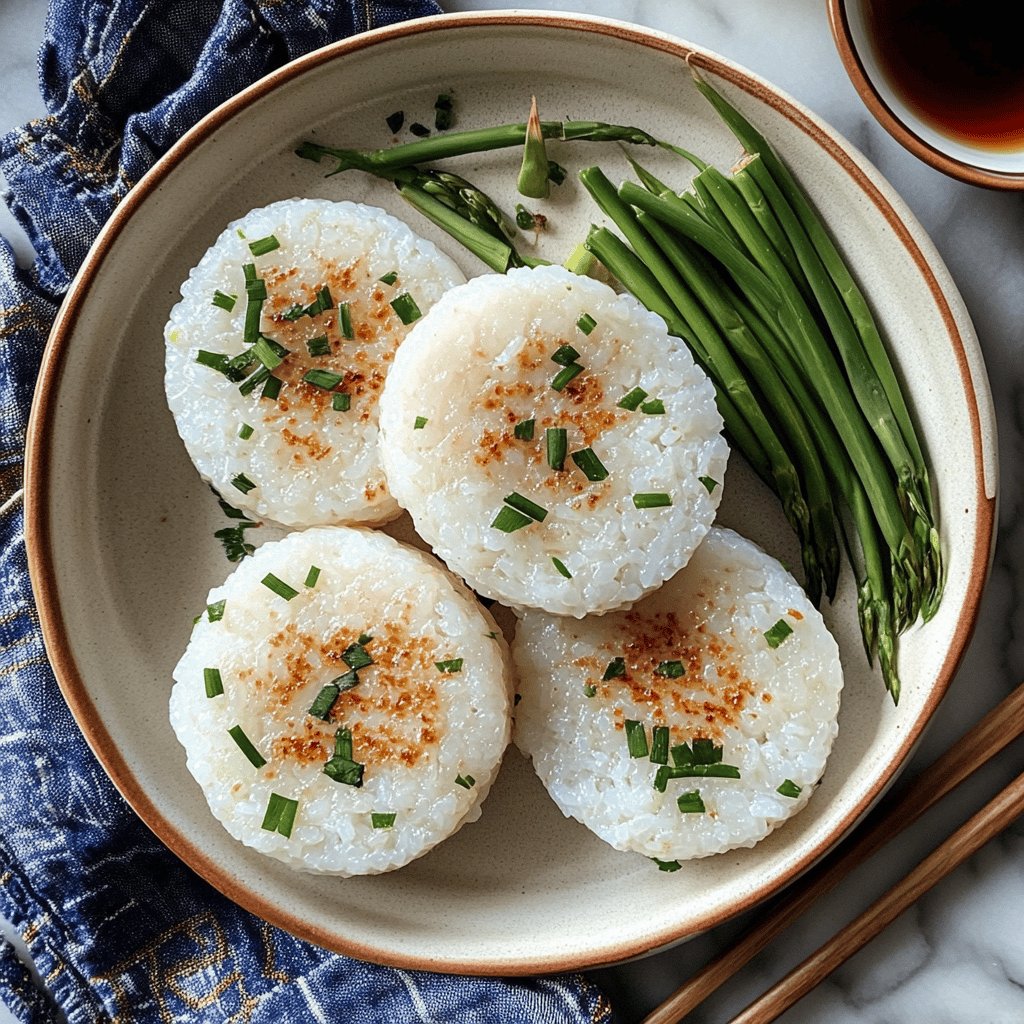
{"points": [[224, 300], [527, 507], [312, 576], [444, 112], [565, 375], [465, 781], [245, 431], [271, 388], [706, 752], [705, 771], [556, 439], [389, 278], [691, 803], [382, 820], [395, 121], [324, 300], [616, 668], [667, 865], [343, 743], [524, 219], [419, 423], [215, 611], [253, 315], [655, 407], [508, 520], [236, 547], [229, 510], [778, 633], [632, 399], [708, 483], [670, 669], [264, 245], [789, 788], [324, 701], [449, 666], [213, 682], [590, 464], [421, 131], [319, 346], [364, 639], [589, 690], [356, 656], [659, 744], [346, 680], [342, 767], [524, 430], [405, 306], [251, 383], [636, 738], [296, 312], [215, 360], [556, 172], [279, 587], [565, 355], [345, 320], [560, 566], [682, 754], [326, 379], [280, 816], [243, 483], [652, 500], [586, 323], [341, 402], [256, 759], [269, 353]]}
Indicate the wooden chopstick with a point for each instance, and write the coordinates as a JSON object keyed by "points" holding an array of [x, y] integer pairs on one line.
{"points": [[985, 825], [996, 730]]}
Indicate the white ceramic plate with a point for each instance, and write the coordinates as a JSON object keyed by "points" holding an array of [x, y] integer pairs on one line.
{"points": [[120, 527]]}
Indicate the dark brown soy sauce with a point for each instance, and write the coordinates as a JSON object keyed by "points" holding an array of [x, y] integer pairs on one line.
{"points": [[958, 64]]}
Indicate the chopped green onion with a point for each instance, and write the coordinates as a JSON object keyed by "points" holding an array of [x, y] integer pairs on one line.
{"points": [[395, 121], [236, 547], [589, 690], [682, 754], [691, 803], [296, 312], [652, 500], [256, 292], [708, 483], [256, 759], [590, 464], [345, 320], [346, 680], [324, 701], [632, 399], [215, 360], [533, 172], [271, 388], [706, 752], [382, 820], [524, 430], [655, 407], [508, 520], [312, 576], [659, 744], [324, 300], [778, 633], [243, 483], [280, 816], [319, 346], [565, 375], [444, 113], [580, 261], [405, 306], [343, 743], [269, 353], [465, 781], [264, 245], [565, 355], [421, 131], [789, 788], [213, 682], [616, 668], [356, 656], [667, 865], [364, 639], [449, 666], [224, 301], [556, 439], [251, 383], [245, 431], [215, 611], [560, 566], [389, 278], [279, 587], [341, 402], [636, 738], [342, 768], [556, 172], [586, 323], [527, 507], [419, 423], [326, 379], [670, 669]]}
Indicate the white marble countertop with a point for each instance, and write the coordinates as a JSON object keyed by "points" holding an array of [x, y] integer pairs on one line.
{"points": [[959, 954]]}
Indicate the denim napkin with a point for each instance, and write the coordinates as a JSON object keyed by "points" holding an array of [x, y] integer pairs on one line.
{"points": [[119, 929]]}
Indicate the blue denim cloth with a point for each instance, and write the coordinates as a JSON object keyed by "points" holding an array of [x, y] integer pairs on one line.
{"points": [[117, 926]]}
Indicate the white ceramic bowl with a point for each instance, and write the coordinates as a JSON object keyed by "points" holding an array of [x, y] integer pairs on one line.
{"points": [[120, 527]]}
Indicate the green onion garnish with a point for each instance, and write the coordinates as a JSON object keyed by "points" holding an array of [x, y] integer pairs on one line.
{"points": [[346, 680], [264, 245], [586, 323], [215, 611], [632, 399], [590, 464], [324, 701], [382, 820], [215, 360], [556, 172], [389, 278], [251, 383], [659, 744], [706, 752], [636, 738], [243, 483], [326, 379], [319, 346], [560, 566], [312, 576], [565, 375], [449, 666], [345, 320], [655, 407], [589, 690], [224, 301], [670, 669], [296, 312], [342, 768], [708, 483], [565, 356], [527, 507], [421, 131], [444, 114], [652, 500], [279, 587], [419, 423], [691, 803], [269, 353], [395, 121], [255, 293], [405, 306], [616, 668], [229, 510], [213, 682], [280, 816], [356, 656], [341, 402], [789, 788], [508, 520], [324, 301], [245, 431], [465, 781], [667, 865], [364, 639], [271, 388], [778, 633], [236, 547], [524, 430], [256, 759], [557, 446]]}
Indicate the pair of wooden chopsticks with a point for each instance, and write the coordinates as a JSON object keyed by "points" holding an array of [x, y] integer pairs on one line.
{"points": [[998, 728]]}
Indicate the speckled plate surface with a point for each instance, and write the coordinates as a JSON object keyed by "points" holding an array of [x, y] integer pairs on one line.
{"points": [[120, 527]]}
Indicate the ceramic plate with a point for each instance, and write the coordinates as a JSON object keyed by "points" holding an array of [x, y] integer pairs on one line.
{"points": [[120, 527]]}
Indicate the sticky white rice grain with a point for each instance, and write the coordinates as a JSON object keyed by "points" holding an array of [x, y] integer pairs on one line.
{"points": [[771, 709], [304, 463], [479, 365], [430, 739]]}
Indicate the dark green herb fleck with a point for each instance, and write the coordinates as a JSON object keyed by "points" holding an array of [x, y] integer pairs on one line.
{"points": [[465, 781], [670, 669], [566, 374], [213, 682], [556, 439], [419, 423], [256, 759], [245, 431], [636, 738], [527, 507], [560, 566], [659, 744], [405, 306], [591, 466], [655, 407], [652, 500], [341, 402], [616, 668], [690, 803], [224, 301], [215, 611], [389, 278], [243, 483], [449, 666], [566, 355], [708, 483], [632, 399], [324, 701], [312, 576], [586, 323], [378, 820], [508, 520], [524, 430], [279, 587], [319, 346], [778, 633], [264, 245]]}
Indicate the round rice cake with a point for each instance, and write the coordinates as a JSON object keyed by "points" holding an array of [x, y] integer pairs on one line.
{"points": [[343, 702], [695, 722], [276, 397], [553, 444]]}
